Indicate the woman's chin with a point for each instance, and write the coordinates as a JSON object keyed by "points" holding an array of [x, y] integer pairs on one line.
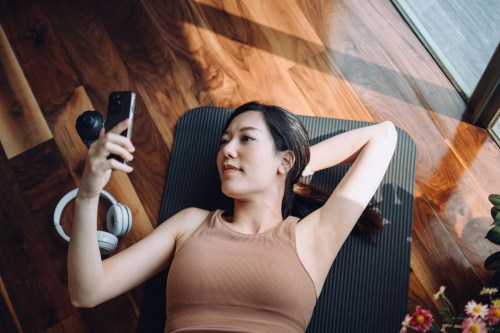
{"points": [[231, 192]]}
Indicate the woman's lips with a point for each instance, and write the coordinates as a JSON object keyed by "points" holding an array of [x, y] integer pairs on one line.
{"points": [[228, 168]]}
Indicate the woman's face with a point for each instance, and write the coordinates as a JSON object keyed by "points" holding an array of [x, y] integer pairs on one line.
{"points": [[247, 161]]}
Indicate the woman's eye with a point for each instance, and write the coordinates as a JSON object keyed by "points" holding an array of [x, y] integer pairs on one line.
{"points": [[246, 138], [222, 142]]}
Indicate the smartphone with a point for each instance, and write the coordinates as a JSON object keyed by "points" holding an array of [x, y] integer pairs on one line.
{"points": [[120, 107]]}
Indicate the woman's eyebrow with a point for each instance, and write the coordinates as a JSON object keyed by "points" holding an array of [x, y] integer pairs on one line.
{"points": [[244, 129], [249, 128]]}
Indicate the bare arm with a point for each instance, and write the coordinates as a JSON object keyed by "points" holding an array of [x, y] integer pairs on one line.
{"points": [[325, 231], [342, 148], [372, 147], [90, 280]]}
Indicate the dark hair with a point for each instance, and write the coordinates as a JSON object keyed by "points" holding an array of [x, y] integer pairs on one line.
{"points": [[301, 199]]}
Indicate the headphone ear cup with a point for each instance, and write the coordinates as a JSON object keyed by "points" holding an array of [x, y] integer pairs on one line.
{"points": [[107, 242], [119, 219]]}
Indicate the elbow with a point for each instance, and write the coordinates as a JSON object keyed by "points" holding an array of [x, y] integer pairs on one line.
{"points": [[389, 132], [389, 127], [77, 303], [82, 300]]}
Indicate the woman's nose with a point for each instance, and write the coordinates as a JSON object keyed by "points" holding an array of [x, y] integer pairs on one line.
{"points": [[229, 150]]}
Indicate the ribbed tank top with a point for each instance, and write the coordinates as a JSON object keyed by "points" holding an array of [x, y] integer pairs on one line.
{"points": [[224, 281]]}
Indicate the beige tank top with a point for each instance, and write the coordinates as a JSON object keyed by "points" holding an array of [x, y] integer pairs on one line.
{"points": [[224, 281]]}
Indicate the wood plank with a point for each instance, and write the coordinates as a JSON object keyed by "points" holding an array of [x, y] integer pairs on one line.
{"points": [[30, 265], [419, 296], [447, 265], [462, 208], [257, 72], [150, 61], [334, 97], [18, 106], [229, 70], [477, 152], [201, 70], [41, 55], [289, 37]]}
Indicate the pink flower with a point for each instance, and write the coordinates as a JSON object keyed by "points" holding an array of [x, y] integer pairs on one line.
{"points": [[474, 309], [474, 325], [421, 319], [493, 316]]}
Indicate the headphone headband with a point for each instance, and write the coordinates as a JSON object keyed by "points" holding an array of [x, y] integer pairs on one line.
{"points": [[65, 200]]}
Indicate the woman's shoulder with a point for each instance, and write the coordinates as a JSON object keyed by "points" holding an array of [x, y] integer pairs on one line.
{"points": [[187, 222], [185, 219], [191, 217], [194, 213]]}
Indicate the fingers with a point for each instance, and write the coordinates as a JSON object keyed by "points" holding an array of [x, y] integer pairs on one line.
{"points": [[114, 164], [111, 143], [114, 148], [119, 140], [100, 165], [120, 127]]}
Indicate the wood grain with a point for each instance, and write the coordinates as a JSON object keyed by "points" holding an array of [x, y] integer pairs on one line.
{"points": [[39, 52], [341, 59], [290, 37], [18, 107], [334, 97]]}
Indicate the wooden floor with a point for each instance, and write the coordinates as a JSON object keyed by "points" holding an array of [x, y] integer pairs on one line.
{"points": [[349, 59]]}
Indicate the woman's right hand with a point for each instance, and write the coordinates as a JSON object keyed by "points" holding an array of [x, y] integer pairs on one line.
{"points": [[98, 166]]}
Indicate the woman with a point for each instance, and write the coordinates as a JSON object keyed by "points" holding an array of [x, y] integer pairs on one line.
{"points": [[257, 268]]}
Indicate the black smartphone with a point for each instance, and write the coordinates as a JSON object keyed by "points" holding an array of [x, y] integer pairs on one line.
{"points": [[120, 107]]}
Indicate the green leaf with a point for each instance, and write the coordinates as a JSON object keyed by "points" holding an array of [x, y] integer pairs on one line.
{"points": [[492, 263], [493, 235], [496, 221], [494, 199], [494, 212]]}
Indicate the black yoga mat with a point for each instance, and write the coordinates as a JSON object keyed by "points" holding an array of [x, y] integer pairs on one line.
{"points": [[367, 287]]}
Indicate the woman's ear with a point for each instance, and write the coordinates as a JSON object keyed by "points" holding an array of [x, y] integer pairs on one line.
{"points": [[287, 161]]}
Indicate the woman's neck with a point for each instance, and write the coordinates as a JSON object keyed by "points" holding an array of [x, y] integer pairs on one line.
{"points": [[254, 217]]}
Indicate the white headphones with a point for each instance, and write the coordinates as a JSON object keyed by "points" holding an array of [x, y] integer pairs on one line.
{"points": [[119, 221]]}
